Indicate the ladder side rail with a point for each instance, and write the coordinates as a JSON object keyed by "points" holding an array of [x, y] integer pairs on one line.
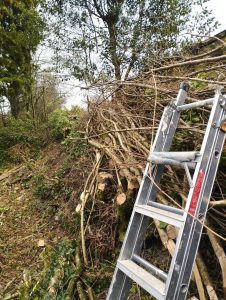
{"points": [[156, 176], [147, 189], [190, 195], [185, 233], [201, 214], [163, 140], [182, 245], [162, 143], [160, 138], [120, 285]]}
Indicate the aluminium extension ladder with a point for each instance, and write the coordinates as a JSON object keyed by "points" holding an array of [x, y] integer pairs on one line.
{"points": [[130, 266]]}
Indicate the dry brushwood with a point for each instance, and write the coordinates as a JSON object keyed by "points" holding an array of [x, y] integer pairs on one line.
{"points": [[120, 131]]}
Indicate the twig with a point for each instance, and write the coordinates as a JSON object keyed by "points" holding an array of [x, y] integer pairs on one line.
{"points": [[187, 63], [133, 129], [206, 53], [81, 293], [206, 36], [217, 203], [85, 197], [192, 79], [206, 70], [8, 285], [13, 296], [170, 245], [143, 85], [119, 130], [199, 283], [206, 278], [219, 251]]}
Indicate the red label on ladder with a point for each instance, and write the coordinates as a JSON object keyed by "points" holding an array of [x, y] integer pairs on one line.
{"points": [[196, 192]]}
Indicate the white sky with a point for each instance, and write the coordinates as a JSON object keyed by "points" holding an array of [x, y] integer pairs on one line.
{"points": [[73, 94], [219, 12]]}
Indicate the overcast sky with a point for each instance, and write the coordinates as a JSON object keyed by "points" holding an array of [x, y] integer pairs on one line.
{"points": [[75, 97], [219, 11]]}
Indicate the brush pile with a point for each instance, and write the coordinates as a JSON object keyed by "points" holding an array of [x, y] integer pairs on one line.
{"points": [[120, 130]]}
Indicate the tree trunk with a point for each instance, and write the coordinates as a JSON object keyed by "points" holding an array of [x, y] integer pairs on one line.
{"points": [[113, 49], [14, 98], [14, 106]]}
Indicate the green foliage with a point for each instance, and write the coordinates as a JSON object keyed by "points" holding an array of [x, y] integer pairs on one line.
{"points": [[21, 30], [42, 189], [16, 132], [33, 135], [76, 146], [59, 270], [46, 189], [111, 38], [57, 121], [192, 117], [45, 96], [162, 225], [102, 282], [197, 85]]}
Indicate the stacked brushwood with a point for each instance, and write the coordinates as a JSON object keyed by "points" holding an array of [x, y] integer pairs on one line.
{"points": [[120, 131]]}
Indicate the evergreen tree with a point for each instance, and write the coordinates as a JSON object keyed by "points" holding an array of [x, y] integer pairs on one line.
{"points": [[20, 33]]}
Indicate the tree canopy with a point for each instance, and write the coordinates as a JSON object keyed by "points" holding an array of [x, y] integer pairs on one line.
{"points": [[105, 39], [20, 33]]}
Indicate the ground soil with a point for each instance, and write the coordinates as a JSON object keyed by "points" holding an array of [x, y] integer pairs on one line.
{"points": [[27, 228]]}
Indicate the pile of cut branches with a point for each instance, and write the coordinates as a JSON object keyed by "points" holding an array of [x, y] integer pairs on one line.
{"points": [[121, 128]]}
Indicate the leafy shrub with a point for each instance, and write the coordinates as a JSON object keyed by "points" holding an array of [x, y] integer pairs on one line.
{"points": [[57, 121], [73, 141], [27, 136], [55, 278], [44, 189], [20, 131]]}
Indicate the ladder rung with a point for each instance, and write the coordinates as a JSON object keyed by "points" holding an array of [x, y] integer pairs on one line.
{"points": [[148, 282], [195, 104], [160, 214], [180, 156], [175, 158], [166, 207], [153, 269]]}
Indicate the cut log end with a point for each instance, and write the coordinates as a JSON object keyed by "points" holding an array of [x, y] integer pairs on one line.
{"points": [[121, 198]]}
